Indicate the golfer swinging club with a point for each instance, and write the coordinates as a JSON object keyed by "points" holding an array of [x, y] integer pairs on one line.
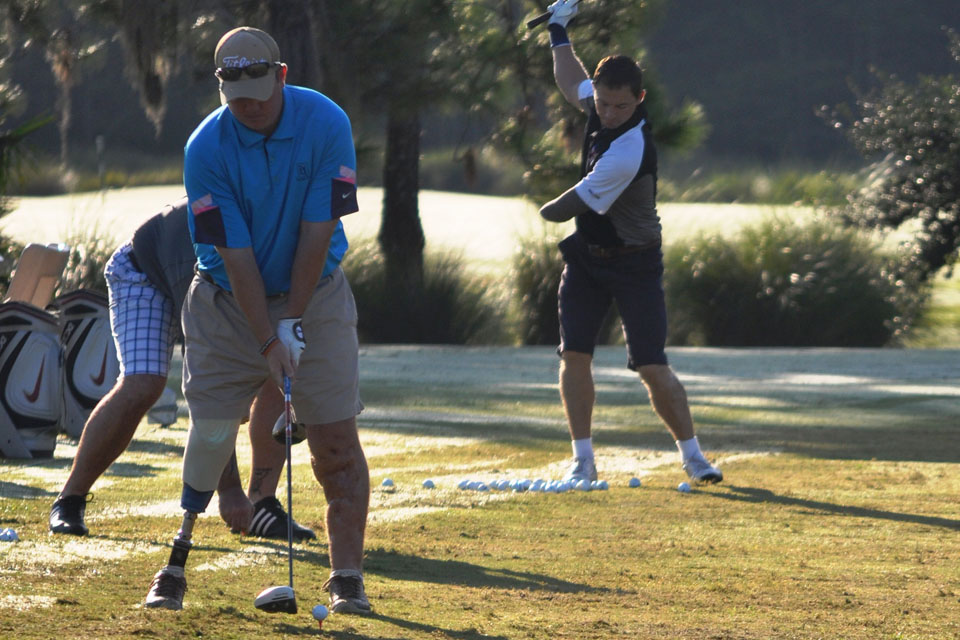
{"points": [[268, 175], [614, 254]]}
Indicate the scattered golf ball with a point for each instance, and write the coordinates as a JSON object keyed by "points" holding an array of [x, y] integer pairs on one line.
{"points": [[427, 484], [583, 485], [634, 483], [387, 482], [683, 487], [320, 612], [603, 485], [463, 484]]}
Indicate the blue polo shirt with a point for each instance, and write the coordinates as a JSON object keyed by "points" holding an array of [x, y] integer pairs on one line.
{"points": [[247, 190]]}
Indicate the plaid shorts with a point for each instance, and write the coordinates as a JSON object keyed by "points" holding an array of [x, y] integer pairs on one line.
{"points": [[141, 318]]}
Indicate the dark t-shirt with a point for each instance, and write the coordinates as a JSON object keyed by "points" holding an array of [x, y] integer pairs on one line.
{"points": [[164, 252]]}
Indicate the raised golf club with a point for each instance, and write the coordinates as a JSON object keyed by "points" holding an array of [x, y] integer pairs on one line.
{"points": [[539, 20], [282, 599]]}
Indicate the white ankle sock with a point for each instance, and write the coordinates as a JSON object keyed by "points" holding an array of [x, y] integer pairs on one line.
{"points": [[583, 448], [689, 448]]}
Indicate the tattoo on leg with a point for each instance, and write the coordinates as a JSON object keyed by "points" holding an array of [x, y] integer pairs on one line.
{"points": [[257, 478]]}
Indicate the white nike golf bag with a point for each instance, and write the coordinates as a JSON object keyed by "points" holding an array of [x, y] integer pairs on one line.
{"points": [[30, 378], [90, 364]]}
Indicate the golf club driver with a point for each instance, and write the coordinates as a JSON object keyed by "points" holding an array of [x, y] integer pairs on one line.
{"points": [[282, 599]]}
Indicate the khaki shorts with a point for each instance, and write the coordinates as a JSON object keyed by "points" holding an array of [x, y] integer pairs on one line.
{"points": [[223, 369]]}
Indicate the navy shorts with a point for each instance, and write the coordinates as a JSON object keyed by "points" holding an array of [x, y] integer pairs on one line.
{"points": [[589, 285]]}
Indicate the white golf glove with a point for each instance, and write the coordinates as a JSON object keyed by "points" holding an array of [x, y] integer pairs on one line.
{"points": [[290, 333], [562, 11]]}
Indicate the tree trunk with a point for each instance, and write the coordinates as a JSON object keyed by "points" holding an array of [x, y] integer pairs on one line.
{"points": [[401, 234], [292, 25]]}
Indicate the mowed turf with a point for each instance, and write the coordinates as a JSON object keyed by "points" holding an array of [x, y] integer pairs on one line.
{"points": [[838, 516]]}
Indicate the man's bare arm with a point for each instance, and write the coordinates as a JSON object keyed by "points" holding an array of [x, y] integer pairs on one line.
{"points": [[569, 73], [249, 292], [563, 207], [308, 263]]}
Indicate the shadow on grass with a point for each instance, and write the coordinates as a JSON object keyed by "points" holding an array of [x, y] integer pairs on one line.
{"points": [[330, 630], [400, 566], [765, 496]]}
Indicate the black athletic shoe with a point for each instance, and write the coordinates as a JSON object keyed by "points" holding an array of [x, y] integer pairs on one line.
{"points": [[167, 589], [66, 515], [270, 521]]}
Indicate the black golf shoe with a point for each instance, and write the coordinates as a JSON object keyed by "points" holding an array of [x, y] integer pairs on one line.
{"points": [[66, 515]]}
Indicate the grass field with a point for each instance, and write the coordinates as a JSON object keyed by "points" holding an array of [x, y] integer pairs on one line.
{"points": [[838, 516]]}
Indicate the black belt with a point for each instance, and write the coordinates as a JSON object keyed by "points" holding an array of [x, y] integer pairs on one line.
{"points": [[612, 252]]}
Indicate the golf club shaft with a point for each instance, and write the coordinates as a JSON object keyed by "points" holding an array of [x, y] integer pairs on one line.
{"points": [[287, 408], [540, 19]]}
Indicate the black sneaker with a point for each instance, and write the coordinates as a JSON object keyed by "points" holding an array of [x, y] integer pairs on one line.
{"points": [[346, 592], [167, 589], [66, 515], [270, 521]]}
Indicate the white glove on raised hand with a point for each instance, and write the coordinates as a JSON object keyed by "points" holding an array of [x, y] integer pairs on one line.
{"points": [[562, 11], [290, 333]]}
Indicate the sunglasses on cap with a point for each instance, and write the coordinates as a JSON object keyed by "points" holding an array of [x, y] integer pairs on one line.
{"points": [[255, 70]]}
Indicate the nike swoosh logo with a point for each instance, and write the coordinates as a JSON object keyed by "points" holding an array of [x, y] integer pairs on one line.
{"points": [[32, 396], [103, 370], [344, 196]]}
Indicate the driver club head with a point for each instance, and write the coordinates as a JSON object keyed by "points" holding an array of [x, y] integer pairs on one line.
{"points": [[276, 600], [298, 431]]}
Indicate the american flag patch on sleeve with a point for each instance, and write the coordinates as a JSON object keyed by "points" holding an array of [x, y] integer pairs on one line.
{"points": [[208, 222]]}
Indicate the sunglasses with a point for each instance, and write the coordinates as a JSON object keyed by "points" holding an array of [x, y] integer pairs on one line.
{"points": [[255, 70]]}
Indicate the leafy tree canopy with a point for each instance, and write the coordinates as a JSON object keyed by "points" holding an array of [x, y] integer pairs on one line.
{"points": [[912, 131]]}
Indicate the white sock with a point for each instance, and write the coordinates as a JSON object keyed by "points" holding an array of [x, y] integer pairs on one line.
{"points": [[689, 448], [583, 448]]}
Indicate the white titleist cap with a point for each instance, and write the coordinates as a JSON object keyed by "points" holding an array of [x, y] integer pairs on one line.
{"points": [[240, 48]]}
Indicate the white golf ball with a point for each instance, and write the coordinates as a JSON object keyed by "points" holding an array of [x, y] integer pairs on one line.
{"points": [[320, 612], [428, 484], [683, 487], [634, 483], [387, 482], [463, 484], [603, 485], [583, 485]]}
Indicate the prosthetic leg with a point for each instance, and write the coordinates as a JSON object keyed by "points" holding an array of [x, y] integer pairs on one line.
{"points": [[210, 444]]}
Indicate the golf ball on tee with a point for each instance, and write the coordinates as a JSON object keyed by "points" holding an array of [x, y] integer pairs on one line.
{"points": [[319, 612], [683, 487]]}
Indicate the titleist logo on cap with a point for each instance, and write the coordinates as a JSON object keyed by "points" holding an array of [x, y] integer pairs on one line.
{"points": [[240, 61]]}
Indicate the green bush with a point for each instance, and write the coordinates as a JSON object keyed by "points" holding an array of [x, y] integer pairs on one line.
{"points": [[10, 251], [90, 249], [451, 308], [781, 283], [537, 266]]}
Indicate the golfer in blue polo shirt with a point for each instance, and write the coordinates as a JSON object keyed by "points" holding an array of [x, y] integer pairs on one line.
{"points": [[268, 176]]}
